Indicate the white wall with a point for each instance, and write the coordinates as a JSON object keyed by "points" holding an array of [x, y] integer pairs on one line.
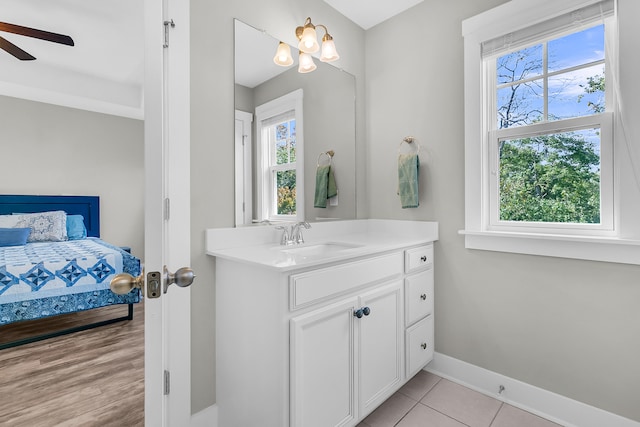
{"points": [[567, 326], [212, 118], [47, 149]]}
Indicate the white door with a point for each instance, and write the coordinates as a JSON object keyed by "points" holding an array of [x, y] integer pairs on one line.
{"points": [[167, 211], [380, 368], [243, 143], [323, 347]]}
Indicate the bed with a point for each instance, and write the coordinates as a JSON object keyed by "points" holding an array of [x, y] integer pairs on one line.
{"points": [[62, 267]]}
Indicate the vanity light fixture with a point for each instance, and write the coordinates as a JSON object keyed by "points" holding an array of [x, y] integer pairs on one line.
{"points": [[308, 38], [283, 55], [305, 63]]}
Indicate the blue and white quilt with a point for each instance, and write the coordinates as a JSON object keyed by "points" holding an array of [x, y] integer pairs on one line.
{"points": [[46, 278]]}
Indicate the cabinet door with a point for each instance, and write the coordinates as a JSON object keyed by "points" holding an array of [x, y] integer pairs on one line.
{"points": [[322, 367], [381, 344]]}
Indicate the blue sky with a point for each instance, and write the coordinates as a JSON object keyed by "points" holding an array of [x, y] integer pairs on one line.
{"points": [[565, 89]]}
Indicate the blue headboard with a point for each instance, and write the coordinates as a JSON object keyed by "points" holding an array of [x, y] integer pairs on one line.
{"points": [[87, 206]]}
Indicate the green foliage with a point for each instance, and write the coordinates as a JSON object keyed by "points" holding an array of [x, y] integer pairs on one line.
{"points": [[286, 201], [551, 178], [286, 182], [595, 84]]}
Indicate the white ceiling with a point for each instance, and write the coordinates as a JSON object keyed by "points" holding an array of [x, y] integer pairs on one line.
{"points": [[104, 71], [254, 52], [368, 13]]}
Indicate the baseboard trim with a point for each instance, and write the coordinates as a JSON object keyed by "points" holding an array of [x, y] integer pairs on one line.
{"points": [[208, 417], [549, 405]]}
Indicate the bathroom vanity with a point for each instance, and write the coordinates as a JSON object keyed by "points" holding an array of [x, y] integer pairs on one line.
{"points": [[320, 333]]}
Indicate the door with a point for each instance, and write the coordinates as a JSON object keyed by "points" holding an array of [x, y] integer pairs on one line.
{"points": [[167, 211], [243, 144], [380, 367], [322, 367]]}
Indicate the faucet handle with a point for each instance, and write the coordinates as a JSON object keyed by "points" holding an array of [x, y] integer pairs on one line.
{"points": [[285, 239], [297, 236]]}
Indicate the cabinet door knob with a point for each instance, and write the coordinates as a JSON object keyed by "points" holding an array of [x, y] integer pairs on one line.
{"points": [[423, 345], [366, 311], [423, 297], [358, 313], [423, 258]]}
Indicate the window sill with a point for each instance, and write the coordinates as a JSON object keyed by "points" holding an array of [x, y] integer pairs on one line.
{"points": [[606, 249]]}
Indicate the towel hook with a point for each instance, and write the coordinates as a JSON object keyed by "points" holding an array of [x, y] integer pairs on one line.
{"points": [[410, 140], [329, 154]]}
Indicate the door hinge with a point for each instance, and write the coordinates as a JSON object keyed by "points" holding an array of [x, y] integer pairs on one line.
{"points": [[167, 209], [167, 382], [166, 32]]}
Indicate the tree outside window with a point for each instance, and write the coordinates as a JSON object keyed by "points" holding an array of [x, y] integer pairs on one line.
{"points": [[552, 177]]}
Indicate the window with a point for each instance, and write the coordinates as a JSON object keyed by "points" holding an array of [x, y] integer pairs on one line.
{"points": [[540, 110], [549, 133], [280, 145]]}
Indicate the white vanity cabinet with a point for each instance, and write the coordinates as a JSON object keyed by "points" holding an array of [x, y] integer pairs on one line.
{"points": [[343, 365], [419, 308], [321, 344]]}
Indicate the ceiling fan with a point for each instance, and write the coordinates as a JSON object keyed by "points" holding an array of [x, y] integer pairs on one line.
{"points": [[29, 32]]}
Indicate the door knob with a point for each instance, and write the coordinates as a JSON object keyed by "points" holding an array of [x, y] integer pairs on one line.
{"points": [[183, 277], [123, 283]]}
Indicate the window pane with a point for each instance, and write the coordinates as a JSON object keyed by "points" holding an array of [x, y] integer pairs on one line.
{"points": [[576, 49], [551, 178], [576, 94], [285, 142], [519, 65], [286, 192], [292, 145], [520, 104]]}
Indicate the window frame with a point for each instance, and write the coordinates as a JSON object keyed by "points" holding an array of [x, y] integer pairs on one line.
{"points": [[611, 242], [266, 181]]}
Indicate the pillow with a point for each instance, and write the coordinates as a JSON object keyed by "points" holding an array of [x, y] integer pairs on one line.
{"points": [[14, 236], [75, 227], [8, 221], [45, 226]]}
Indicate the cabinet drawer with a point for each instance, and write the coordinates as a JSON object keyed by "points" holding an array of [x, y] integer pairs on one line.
{"points": [[315, 286], [419, 342], [418, 296], [417, 258]]}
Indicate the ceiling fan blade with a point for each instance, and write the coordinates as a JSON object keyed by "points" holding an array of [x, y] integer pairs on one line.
{"points": [[38, 34], [15, 50]]}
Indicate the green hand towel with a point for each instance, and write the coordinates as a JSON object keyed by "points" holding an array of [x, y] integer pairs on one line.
{"points": [[325, 186], [408, 168], [332, 188]]}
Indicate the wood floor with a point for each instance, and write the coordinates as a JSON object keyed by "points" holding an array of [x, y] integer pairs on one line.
{"points": [[89, 378]]}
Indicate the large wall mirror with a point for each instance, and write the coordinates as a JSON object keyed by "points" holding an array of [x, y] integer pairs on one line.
{"points": [[325, 123]]}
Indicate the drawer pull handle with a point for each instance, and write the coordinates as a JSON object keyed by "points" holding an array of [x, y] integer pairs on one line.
{"points": [[364, 311], [423, 258], [423, 345], [423, 297]]}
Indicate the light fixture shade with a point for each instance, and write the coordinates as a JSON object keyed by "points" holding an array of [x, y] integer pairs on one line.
{"points": [[309, 40], [283, 55], [305, 63], [329, 52]]}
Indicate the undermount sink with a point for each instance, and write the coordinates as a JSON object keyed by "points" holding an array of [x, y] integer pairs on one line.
{"points": [[318, 249]]}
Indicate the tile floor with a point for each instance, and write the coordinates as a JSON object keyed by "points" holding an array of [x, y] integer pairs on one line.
{"points": [[430, 401]]}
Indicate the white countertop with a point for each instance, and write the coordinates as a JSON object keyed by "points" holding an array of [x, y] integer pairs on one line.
{"points": [[259, 245]]}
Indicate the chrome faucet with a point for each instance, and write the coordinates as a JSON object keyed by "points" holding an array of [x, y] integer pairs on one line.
{"points": [[296, 231], [285, 239], [293, 235]]}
